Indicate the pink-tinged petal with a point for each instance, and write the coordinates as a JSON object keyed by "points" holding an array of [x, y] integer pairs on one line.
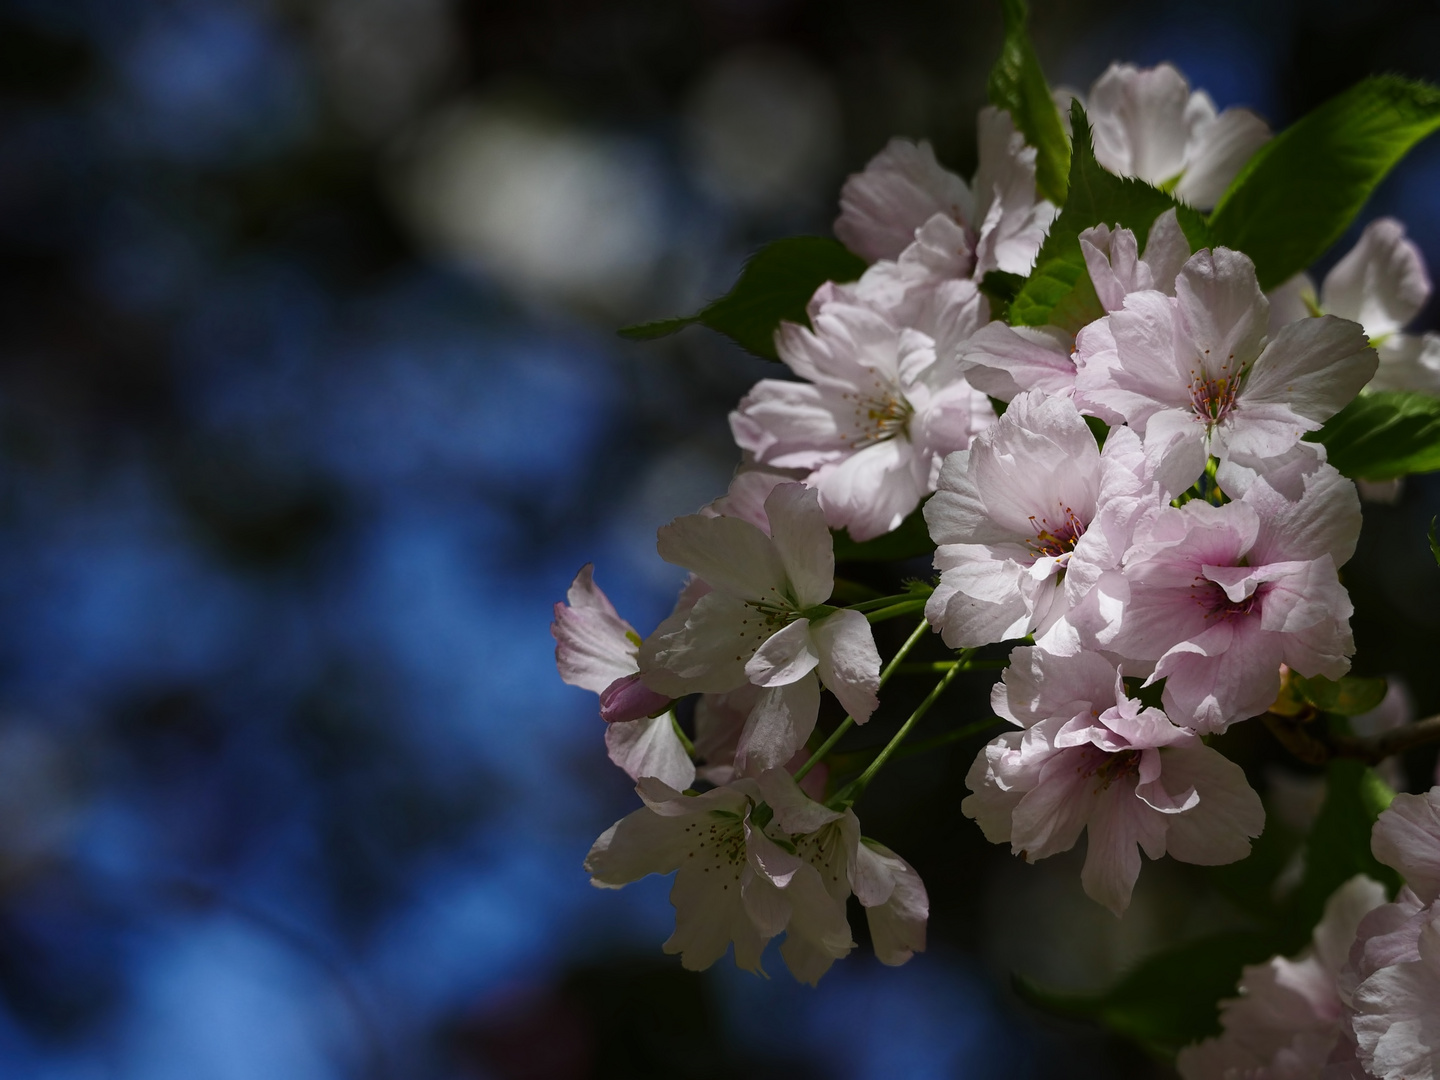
{"points": [[1138, 124], [1222, 314], [1380, 283], [1175, 449], [795, 812], [784, 657], [650, 747], [966, 620], [1119, 824], [1386, 936], [1409, 363], [1314, 368], [1113, 261], [1340, 923], [771, 861], [1286, 473], [901, 187], [1166, 251], [949, 420], [1292, 301], [719, 719], [790, 424], [1145, 333], [778, 725], [957, 514], [1407, 839], [1216, 153], [872, 491], [1219, 828], [1003, 361], [1302, 595], [749, 488], [1049, 819], [803, 542], [1228, 674], [706, 652], [730, 555], [593, 645], [1038, 685], [1397, 1015], [897, 923], [849, 662], [627, 698], [996, 791]]}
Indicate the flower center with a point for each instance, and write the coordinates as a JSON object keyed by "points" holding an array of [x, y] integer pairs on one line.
{"points": [[1213, 396], [1109, 768], [1220, 607], [879, 416], [1057, 539]]}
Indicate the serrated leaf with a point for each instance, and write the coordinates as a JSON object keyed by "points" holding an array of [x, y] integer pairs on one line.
{"points": [[775, 285], [1058, 291], [908, 540], [1350, 696], [1302, 189], [1383, 435], [1338, 847], [1018, 85], [1169, 1000]]}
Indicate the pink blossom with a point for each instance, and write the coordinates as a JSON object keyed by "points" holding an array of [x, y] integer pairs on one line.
{"points": [[1195, 374], [1220, 596], [1012, 519], [1381, 283], [872, 422], [1290, 1021], [1117, 269], [759, 616], [1090, 758], [1147, 123], [999, 224], [744, 878], [595, 649]]}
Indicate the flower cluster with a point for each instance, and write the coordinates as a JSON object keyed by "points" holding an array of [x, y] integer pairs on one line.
{"points": [[1364, 999], [1127, 504]]}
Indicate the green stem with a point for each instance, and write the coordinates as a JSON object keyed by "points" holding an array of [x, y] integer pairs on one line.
{"points": [[852, 790], [685, 742], [894, 611], [939, 667], [951, 736], [882, 601], [845, 725]]}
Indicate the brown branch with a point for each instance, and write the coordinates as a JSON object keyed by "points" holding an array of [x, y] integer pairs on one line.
{"points": [[1315, 746]]}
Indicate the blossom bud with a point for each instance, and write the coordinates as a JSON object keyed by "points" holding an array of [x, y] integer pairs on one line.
{"points": [[627, 698]]}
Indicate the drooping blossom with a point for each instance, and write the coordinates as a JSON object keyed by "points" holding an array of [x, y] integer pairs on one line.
{"points": [[1090, 758], [1291, 1020], [595, 649], [745, 875], [1147, 123], [877, 413], [1221, 596], [1011, 520], [1381, 283], [759, 616], [1196, 375], [996, 224], [1394, 966]]}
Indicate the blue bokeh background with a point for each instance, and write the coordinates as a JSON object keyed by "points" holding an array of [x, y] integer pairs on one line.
{"points": [[310, 408]]}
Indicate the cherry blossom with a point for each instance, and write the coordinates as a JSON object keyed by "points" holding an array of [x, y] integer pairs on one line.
{"points": [[1381, 283], [1091, 758], [1117, 269], [595, 649], [1196, 375], [998, 224], [1291, 1019], [758, 615], [1220, 596], [1394, 965], [872, 422], [746, 874], [1147, 123], [1011, 519]]}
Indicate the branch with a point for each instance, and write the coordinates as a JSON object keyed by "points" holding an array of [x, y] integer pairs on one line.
{"points": [[1315, 746]]}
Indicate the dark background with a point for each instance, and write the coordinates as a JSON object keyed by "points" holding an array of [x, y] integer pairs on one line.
{"points": [[311, 406]]}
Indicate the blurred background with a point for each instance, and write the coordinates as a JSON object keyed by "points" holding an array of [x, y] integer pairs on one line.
{"points": [[311, 406]]}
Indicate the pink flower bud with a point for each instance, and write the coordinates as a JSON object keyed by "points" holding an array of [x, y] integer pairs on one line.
{"points": [[627, 698]]}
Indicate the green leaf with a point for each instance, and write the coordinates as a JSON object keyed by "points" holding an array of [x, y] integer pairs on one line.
{"points": [[1302, 189], [1338, 847], [1169, 1000], [1058, 291], [1000, 287], [1018, 85], [1383, 435], [1351, 696], [908, 540], [775, 285]]}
